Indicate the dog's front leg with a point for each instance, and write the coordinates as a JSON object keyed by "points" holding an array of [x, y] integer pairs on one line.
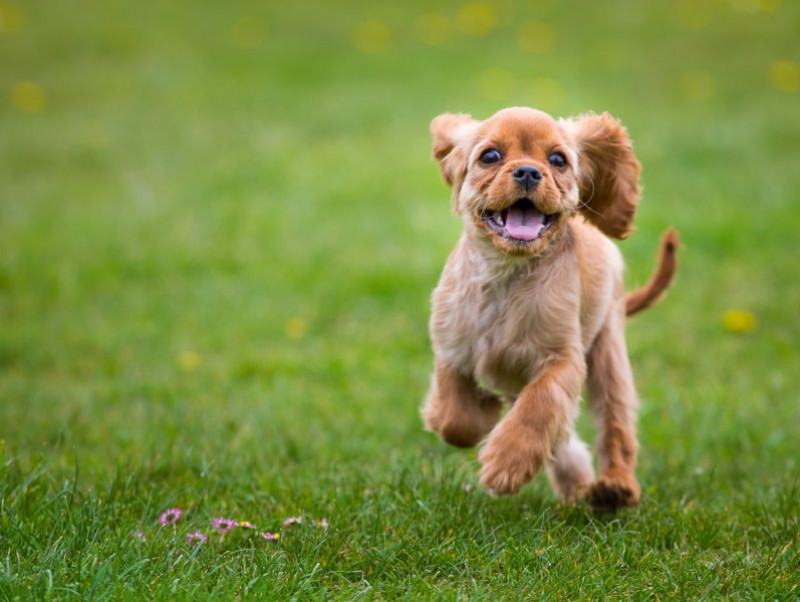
{"points": [[523, 441], [457, 408]]}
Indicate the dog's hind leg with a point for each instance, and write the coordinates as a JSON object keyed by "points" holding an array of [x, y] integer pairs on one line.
{"points": [[457, 409], [613, 398], [570, 470]]}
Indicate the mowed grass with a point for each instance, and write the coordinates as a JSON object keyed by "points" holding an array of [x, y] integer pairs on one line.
{"points": [[219, 230]]}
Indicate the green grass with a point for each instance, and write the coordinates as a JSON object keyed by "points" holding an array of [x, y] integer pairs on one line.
{"points": [[217, 244]]}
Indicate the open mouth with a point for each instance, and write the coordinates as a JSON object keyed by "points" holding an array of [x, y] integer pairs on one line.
{"points": [[519, 222]]}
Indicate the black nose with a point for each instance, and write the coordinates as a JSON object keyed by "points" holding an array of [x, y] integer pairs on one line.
{"points": [[527, 176]]}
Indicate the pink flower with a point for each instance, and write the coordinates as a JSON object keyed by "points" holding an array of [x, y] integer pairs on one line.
{"points": [[293, 520], [223, 525], [137, 535], [170, 517], [271, 536], [195, 538]]}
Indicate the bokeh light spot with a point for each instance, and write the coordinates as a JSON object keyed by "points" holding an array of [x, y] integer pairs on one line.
{"points": [[477, 19], [248, 32], [770, 6], [189, 361], [296, 328], [372, 37], [785, 76], [697, 86], [737, 320], [536, 37], [11, 17], [433, 29], [28, 97], [496, 84]]}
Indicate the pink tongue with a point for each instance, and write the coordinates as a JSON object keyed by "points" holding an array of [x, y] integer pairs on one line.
{"points": [[524, 222]]}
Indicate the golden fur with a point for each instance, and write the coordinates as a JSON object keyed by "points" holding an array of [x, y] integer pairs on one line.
{"points": [[528, 321]]}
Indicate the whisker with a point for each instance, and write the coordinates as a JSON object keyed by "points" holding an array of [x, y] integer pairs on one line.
{"points": [[584, 205]]}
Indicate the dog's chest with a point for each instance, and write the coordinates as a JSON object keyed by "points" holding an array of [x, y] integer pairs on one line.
{"points": [[495, 331]]}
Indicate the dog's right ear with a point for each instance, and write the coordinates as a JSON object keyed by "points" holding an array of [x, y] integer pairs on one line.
{"points": [[452, 134]]}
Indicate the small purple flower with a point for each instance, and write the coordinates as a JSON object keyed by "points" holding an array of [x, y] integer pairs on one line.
{"points": [[223, 525], [292, 520], [322, 523], [170, 517], [271, 536], [195, 538], [137, 535]]}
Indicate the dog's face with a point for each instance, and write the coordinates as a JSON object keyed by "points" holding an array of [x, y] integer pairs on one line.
{"points": [[521, 182], [518, 176]]}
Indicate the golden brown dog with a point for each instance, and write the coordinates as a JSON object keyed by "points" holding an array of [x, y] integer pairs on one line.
{"points": [[531, 302]]}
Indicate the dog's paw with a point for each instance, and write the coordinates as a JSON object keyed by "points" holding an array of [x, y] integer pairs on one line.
{"points": [[610, 493], [510, 458]]}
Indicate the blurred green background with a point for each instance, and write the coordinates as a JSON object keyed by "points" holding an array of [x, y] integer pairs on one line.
{"points": [[220, 226]]}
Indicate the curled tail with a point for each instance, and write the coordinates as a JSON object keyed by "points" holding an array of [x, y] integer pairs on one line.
{"points": [[651, 293]]}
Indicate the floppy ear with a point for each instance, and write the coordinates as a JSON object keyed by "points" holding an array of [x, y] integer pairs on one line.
{"points": [[608, 173], [451, 140]]}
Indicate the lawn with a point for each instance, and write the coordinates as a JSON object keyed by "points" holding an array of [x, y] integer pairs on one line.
{"points": [[219, 229]]}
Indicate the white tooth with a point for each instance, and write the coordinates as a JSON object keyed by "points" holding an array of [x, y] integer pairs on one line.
{"points": [[501, 218]]}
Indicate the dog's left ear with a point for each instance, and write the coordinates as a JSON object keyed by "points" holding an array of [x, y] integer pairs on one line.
{"points": [[452, 134], [608, 173]]}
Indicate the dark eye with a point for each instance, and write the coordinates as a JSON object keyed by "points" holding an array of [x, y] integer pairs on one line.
{"points": [[557, 159], [490, 156]]}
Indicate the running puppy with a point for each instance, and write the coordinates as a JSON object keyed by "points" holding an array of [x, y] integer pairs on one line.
{"points": [[531, 303]]}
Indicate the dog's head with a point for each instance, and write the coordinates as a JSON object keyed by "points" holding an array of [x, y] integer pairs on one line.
{"points": [[518, 176]]}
